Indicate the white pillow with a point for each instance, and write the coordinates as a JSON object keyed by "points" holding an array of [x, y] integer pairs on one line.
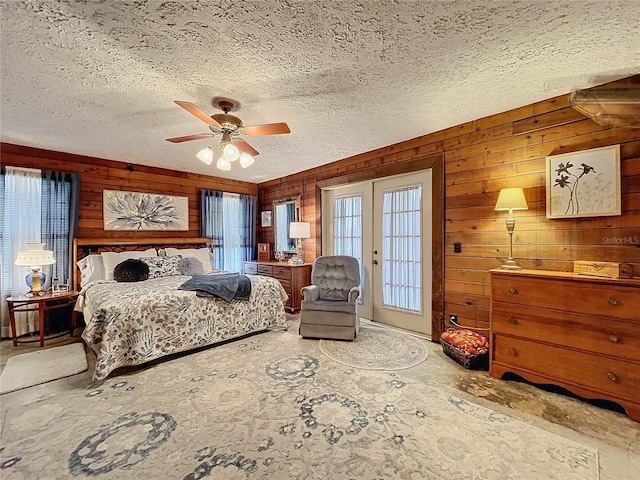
{"points": [[112, 259], [91, 269], [201, 254]]}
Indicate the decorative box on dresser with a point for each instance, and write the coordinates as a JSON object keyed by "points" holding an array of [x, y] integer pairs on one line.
{"points": [[579, 332], [292, 278]]}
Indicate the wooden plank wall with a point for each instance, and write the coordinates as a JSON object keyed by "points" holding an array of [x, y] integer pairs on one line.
{"points": [[482, 157], [99, 174]]}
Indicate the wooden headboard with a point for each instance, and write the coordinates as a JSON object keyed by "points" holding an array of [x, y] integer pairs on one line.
{"points": [[85, 246]]}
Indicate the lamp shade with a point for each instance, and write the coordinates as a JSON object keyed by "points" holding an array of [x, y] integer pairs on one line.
{"points": [[299, 230], [205, 155], [511, 199], [35, 255]]}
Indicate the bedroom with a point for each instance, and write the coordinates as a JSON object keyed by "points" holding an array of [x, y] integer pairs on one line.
{"points": [[480, 157]]}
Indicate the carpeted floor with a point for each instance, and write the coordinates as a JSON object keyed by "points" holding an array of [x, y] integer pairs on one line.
{"points": [[274, 406]]}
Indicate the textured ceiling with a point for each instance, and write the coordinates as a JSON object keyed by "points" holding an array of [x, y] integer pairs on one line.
{"points": [[99, 77]]}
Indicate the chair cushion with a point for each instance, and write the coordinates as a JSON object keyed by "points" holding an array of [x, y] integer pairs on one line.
{"points": [[335, 275], [328, 306]]}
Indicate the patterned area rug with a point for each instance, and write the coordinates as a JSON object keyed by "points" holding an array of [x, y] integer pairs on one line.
{"points": [[272, 406], [377, 348]]}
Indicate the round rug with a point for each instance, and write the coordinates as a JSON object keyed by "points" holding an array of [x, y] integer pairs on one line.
{"points": [[377, 349]]}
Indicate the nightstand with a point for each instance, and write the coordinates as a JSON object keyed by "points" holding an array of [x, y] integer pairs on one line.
{"points": [[43, 305]]}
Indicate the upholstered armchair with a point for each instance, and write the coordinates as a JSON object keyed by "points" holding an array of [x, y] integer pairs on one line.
{"points": [[329, 305]]}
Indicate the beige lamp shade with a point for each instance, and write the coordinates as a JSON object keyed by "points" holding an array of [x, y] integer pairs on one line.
{"points": [[299, 230], [35, 255], [511, 199]]}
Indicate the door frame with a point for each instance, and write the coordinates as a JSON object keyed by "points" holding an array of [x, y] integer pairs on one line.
{"points": [[436, 164]]}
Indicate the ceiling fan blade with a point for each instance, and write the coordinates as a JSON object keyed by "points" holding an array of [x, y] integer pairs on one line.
{"points": [[188, 138], [245, 147], [194, 110], [267, 129]]}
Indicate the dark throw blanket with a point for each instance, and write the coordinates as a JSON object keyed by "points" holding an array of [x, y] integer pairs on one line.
{"points": [[223, 285]]}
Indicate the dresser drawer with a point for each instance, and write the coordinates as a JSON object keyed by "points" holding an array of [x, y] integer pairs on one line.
{"points": [[592, 334], [266, 270], [600, 373], [280, 271], [610, 301], [250, 269]]}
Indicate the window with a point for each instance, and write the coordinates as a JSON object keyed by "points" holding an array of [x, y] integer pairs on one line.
{"points": [[347, 226], [229, 219], [35, 206]]}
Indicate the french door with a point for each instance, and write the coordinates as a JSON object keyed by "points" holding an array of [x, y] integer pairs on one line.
{"points": [[396, 245]]}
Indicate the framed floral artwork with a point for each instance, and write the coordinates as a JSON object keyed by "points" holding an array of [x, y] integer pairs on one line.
{"points": [[144, 211], [584, 184], [266, 218]]}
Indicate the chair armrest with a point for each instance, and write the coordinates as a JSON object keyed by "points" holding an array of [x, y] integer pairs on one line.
{"points": [[354, 293], [310, 293]]}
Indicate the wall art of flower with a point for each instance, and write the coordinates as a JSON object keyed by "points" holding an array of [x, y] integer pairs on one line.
{"points": [[144, 211], [584, 183]]}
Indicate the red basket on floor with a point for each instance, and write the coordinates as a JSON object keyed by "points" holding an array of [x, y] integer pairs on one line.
{"points": [[469, 349]]}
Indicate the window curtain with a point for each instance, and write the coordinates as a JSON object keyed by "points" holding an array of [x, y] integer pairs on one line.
{"points": [[21, 224], [211, 223], [347, 227], [60, 207], [401, 248], [229, 220]]}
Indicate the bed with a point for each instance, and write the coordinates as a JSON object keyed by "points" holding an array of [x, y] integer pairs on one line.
{"points": [[131, 323]]}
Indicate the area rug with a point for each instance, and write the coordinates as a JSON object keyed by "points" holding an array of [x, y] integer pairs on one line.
{"points": [[272, 406], [29, 369], [377, 348]]}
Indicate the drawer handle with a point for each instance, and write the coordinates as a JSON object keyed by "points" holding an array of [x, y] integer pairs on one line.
{"points": [[612, 376], [612, 301], [613, 338], [512, 290], [512, 351], [512, 321]]}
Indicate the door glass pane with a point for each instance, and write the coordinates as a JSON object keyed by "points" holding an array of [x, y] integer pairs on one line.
{"points": [[347, 226], [401, 248]]}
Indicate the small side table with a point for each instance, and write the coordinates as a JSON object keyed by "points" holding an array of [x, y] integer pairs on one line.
{"points": [[42, 304]]}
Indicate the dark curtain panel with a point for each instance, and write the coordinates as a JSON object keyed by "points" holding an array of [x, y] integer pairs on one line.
{"points": [[249, 205], [60, 206], [212, 222]]}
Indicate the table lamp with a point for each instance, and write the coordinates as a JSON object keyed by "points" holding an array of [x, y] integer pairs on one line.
{"points": [[299, 230], [511, 199], [34, 257]]}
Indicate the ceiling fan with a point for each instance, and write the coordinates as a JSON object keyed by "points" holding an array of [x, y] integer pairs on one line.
{"points": [[231, 128]]}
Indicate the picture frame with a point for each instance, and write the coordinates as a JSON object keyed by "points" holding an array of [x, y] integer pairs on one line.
{"points": [[266, 218], [584, 183], [144, 211]]}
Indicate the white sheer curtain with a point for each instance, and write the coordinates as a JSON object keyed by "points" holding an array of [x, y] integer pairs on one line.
{"points": [[347, 227], [401, 248], [20, 207], [232, 237]]}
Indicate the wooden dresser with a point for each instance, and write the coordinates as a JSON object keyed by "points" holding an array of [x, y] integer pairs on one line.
{"points": [[579, 332], [292, 278]]}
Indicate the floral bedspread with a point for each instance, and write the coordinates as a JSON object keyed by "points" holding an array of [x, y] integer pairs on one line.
{"points": [[133, 323]]}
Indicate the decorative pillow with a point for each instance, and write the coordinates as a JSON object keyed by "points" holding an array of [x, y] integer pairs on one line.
{"points": [[111, 259], [190, 266], [162, 266], [131, 270], [201, 254], [91, 269]]}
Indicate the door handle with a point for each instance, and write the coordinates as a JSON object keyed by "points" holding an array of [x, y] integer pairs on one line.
{"points": [[375, 262], [375, 252]]}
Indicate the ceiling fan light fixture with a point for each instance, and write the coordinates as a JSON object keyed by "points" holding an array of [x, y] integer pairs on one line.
{"points": [[230, 152], [205, 155], [245, 160], [223, 164]]}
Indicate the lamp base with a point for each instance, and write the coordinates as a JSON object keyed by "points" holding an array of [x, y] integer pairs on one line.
{"points": [[511, 265], [34, 281]]}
